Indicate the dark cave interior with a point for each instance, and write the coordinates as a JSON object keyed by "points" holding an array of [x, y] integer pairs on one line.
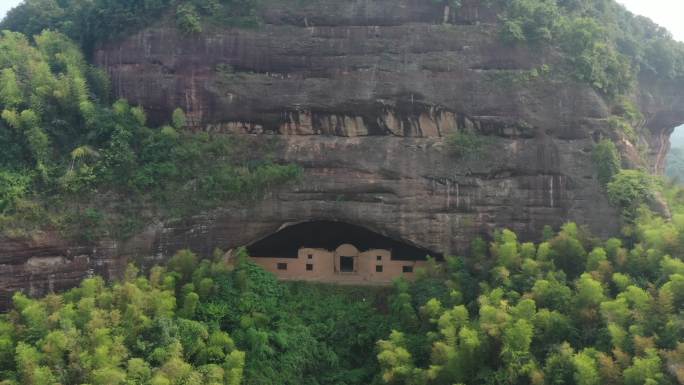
{"points": [[328, 235]]}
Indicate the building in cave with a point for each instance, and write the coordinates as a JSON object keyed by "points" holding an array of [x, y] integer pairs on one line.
{"points": [[336, 252]]}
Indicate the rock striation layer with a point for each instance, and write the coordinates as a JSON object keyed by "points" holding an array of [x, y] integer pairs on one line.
{"points": [[363, 94]]}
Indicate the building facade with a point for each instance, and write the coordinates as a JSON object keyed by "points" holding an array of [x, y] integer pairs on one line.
{"points": [[345, 264]]}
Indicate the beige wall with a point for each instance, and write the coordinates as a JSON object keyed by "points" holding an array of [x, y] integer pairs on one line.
{"points": [[326, 266]]}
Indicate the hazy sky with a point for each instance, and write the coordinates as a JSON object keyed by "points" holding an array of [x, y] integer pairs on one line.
{"points": [[6, 5], [667, 13]]}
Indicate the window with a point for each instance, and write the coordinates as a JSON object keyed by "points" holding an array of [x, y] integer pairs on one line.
{"points": [[407, 269], [282, 266], [347, 264], [378, 268], [309, 267], [310, 256], [379, 258]]}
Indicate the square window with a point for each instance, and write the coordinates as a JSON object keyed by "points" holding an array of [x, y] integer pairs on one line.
{"points": [[407, 269], [379, 258], [309, 267], [310, 256], [282, 266], [378, 268]]}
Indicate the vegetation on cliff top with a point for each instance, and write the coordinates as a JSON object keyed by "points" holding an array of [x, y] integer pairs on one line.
{"points": [[93, 22], [569, 310], [605, 45]]}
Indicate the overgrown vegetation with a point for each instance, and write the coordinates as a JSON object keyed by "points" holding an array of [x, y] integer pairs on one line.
{"points": [[128, 333], [192, 323], [569, 310], [607, 161], [187, 19], [93, 22], [629, 189], [465, 144], [604, 44], [626, 189], [86, 22], [626, 116], [67, 152]]}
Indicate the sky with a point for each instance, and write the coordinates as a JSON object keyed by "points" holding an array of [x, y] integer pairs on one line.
{"points": [[6, 5], [667, 13]]}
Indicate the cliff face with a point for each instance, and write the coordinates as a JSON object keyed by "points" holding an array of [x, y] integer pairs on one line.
{"points": [[361, 94]]}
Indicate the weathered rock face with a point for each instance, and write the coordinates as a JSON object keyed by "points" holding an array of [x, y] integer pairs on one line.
{"points": [[361, 94], [45, 263]]}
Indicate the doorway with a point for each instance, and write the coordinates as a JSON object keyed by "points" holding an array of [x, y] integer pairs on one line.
{"points": [[346, 264]]}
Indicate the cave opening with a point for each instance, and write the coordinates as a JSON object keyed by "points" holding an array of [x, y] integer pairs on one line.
{"points": [[329, 235]]}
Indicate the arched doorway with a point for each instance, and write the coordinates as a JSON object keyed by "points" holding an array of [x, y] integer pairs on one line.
{"points": [[346, 259]]}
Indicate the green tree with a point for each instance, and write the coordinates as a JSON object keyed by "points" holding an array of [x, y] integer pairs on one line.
{"points": [[567, 252], [396, 362], [629, 189], [178, 120], [187, 19], [184, 263], [646, 370], [530, 20], [586, 368], [465, 145], [560, 367], [607, 161]]}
